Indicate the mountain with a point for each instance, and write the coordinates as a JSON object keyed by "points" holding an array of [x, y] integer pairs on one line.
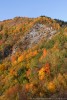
{"points": [[33, 58]]}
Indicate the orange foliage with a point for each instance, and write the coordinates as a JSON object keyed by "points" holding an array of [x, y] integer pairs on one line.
{"points": [[13, 72], [31, 54], [29, 86], [28, 72], [47, 68], [12, 91], [1, 42], [15, 62], [44, 54], [4, 66], [13, 58], [34, 53], [26, 55]]}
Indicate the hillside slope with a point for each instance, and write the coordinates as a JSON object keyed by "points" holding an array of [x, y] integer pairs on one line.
{"points": [[33, 58]]}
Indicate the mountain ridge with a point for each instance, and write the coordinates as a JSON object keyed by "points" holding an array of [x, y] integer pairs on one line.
{"points": [[33, 58]]}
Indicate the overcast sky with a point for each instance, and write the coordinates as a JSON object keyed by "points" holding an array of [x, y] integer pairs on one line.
{"points": [[33, 8]]}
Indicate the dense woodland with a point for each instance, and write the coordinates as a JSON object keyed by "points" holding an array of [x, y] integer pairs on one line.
{"points": [[33, 58]]}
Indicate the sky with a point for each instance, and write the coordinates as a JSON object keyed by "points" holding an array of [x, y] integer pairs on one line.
{"points": [[56, 9]]}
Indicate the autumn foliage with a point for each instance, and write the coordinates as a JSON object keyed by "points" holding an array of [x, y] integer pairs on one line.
{"points": [[32, 71], [42, 72], [51, 87]]}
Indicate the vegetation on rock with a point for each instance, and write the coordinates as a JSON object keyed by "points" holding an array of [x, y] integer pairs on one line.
{"points": [[33, 58]]}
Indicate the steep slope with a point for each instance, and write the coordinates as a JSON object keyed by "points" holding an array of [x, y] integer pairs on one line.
{"points": [[35, 35], [33, 59]]}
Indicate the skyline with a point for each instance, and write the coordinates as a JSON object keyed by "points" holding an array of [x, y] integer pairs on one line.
{"points": [[55, 9]]}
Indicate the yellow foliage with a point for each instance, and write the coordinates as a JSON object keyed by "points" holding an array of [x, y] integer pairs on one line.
{"points": [[41, 70], [31, 54], [51, 87], [41, 74], [14, 63], [61, 79], [1, 66], [4, 66], [45, 69], [21, 58]]}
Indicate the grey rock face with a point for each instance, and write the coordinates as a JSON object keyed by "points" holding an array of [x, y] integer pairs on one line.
{"points": [[36, 34]]}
